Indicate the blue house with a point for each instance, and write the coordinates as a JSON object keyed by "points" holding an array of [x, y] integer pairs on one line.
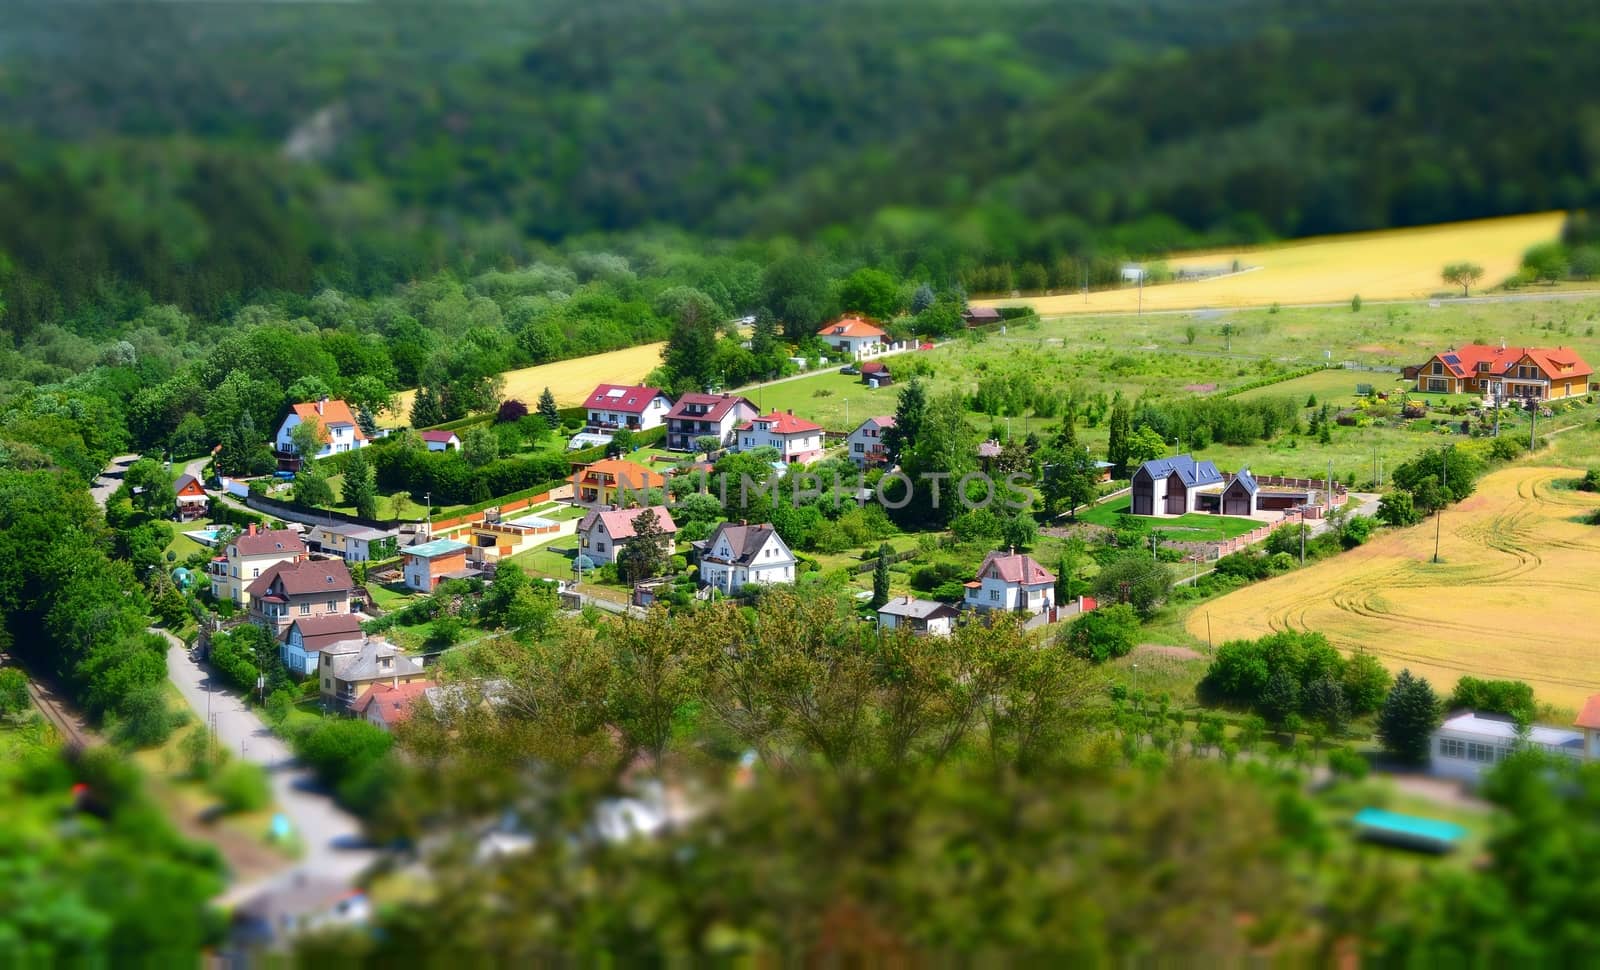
{"points": [[1168, 486], [306, 637]]}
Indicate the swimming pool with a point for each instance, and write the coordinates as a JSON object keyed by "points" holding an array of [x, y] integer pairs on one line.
{"points": [[206, 537], [535, 522]]}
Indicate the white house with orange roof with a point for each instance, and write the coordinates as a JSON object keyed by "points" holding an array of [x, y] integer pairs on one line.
{"points": [[854, 336], [613, 407], [798, 441], [338, 426], [1013, 582]]}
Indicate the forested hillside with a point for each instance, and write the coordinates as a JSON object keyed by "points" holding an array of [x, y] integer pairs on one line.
{"points": [[203, 154]]}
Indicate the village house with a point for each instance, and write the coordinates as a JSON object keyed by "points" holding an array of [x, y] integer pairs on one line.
{"points": [[425, 565], [389, 705], [875, 373], [1013, 582], [1168, 486], [441, 440], [612, 407], [921, 617], [193, 503], [493, 540], [1469, 743], [798, 441], [865, 445], [347, 670], [338, 426], [352, 543], [308, 635], [247, 556], [613, 481], [303, 588], [604, 534], [697, 416], [1515, 373], [737, 555], [978, 316], [853, 336]]}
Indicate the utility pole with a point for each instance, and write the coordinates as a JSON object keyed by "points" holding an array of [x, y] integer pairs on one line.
{"points": [[1141, 291], [1085, 283], [1533, 414]]}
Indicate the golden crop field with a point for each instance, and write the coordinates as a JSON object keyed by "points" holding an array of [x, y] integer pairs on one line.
{"points": [[1397, 264], [569, 380], [1514, 597]]}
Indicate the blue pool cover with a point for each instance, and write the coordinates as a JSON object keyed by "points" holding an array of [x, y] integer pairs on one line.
{"points": [[1375, 823]]}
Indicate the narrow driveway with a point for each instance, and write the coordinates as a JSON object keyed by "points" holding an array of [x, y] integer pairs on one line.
{"points": [[331, 837], [110, 479]]}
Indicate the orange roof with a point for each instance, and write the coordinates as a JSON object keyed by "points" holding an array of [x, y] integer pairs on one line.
{"points": [[329, 413], [1590, 718], [628, 473], [394, 700], [1555, 362], [850, 327]]}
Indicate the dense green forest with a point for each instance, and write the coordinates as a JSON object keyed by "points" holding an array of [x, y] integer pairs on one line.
{"points": [[203, 155]]}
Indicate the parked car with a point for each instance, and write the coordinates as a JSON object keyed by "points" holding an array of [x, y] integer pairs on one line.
{"points": [[849, 369]]}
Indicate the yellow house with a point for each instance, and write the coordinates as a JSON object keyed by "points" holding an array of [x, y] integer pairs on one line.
{"points": [[248, 557]]}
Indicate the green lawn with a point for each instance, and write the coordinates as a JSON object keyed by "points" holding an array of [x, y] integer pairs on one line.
{"points": [[1196, 526], [836, 401]]}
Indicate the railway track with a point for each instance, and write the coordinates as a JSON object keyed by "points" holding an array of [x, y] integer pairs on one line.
{"points": [[55, 712]]}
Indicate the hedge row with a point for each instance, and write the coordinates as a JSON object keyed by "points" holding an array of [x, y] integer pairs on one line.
{"points": [[1274, 379]]}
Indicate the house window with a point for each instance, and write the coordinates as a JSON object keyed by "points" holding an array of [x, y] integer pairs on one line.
{"points": [[1452, 748], [1438, 368], [1481, 753], [333, 606], [305, 609], [1436, 385], [994, 596]]}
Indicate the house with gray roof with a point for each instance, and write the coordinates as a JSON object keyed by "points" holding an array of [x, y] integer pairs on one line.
{"points": [[1170, 486], [738, 554], [348, 669], [921, 617]]}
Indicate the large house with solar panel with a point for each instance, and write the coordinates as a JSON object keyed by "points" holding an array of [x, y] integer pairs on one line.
{"points": [[1515, 373]]}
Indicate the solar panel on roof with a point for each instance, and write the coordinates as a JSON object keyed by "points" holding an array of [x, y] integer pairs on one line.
{"points": [[1451, 359]]}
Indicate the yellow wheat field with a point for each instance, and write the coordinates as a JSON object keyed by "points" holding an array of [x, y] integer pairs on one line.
{"points": [[1516, 596], [569, 380], [1398, 264]]}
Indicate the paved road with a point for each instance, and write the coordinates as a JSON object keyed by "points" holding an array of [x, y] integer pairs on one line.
{"points": [[332, 837], [110, 479]]}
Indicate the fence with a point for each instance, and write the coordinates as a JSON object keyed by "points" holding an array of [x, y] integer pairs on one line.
{"points": [[310, 515], [477, 516]]}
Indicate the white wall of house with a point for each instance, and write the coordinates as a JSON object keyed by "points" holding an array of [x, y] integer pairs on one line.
{"points": [[938, 626], [341, 437], [863, 441], [796, 447], [772, 563], [653, 415], [994, 593]]}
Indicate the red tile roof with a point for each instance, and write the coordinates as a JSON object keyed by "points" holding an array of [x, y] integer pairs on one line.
{"points": [[716, 406], [782, 423], [1555, 362], [329, 413], [397, 701], [875, 367], [269, 541], [1015, 567], [619, 522], [1590, 718], [444, 437], [850, 327], [622, 398]]}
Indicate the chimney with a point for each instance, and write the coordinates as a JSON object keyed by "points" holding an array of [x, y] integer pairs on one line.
{"points": [[252, 529], [791, 412], [320, 402]]}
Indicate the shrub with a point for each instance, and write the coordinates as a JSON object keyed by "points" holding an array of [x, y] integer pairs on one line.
{"points": [[1510, 697], [1347, 763], [1136, 580], [241, 787], [14, 699], [143, 718], [1409, 715], [1101, 634], [510, 410]]}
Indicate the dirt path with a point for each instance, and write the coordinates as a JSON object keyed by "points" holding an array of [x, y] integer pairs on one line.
{"points": [[1164, 650]]}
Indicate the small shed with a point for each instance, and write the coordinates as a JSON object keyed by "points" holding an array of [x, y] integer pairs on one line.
{"points": [[1408, 831], [1239, 498]]}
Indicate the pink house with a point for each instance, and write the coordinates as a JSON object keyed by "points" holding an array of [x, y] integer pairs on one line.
{"points": [[798, 441]]}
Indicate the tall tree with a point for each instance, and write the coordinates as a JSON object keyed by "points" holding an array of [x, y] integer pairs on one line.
{"points": [[361, 485], [1121, 429], [795, 289], [1408, 718], [909, 415], [880, 576], [149, 488], [692, 348], [872, 292], [548, 409], [646, 553], [311, 486], [426, 411]]}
